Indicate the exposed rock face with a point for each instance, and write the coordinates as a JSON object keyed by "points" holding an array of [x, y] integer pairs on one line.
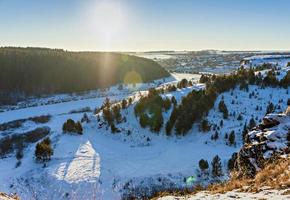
{"points": [[263, 144]]}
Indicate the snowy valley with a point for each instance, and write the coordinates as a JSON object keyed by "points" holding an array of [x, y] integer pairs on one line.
{"points": [[126, 160]]}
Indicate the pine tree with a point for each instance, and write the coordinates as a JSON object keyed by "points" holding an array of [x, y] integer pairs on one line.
{"points": [[68, 126], [232, 160], [107, 103], [168, 127], [79, 128], [215, 136], [252, 123], [205, 127], [173, 100], [223, 108], [113, 128], [270, 108], [144, 120], [226, 136], [85, 118], [221, 123], [124, 103], [43, 150], [245, 132], [232, 138], [240, 117], [107, 115], [216, 167], [117, 113], [203, 164], [166, 104]]}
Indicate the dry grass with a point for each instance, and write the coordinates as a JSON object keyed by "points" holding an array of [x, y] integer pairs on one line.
{"points": [[4, 196], [184, 192], [274, 176]]}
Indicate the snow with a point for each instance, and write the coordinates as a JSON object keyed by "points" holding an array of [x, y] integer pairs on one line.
{"points": [[100, 159], [264, 194], [98, 164], [84, 165]]}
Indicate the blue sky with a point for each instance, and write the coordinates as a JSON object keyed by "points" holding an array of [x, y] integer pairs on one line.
{"points": [[140, 25]]}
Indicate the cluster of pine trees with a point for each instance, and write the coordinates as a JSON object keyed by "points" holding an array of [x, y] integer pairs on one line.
{"points": [[112, 112], [192, 108], [149, 110], [195, 106], [70, 126], [37, 71], [216, 167]]}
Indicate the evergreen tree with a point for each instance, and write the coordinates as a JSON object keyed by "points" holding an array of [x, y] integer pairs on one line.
{"points": [[173, 100], [117, 113], [203, 165], [223, 108], [252, 123], [216, 166], [124, 103], [107, 115], [245, 132], [144, 120], [68, 126], [79, 128], [85, 118], [232, 160], [106, 103], [72, 126], [232, 138], [113, 128], [168, 128], [166, 104], [43, 150], [240, 117], [226, 136], [215, 136], [288, 138], [205, 127], [270, 108], [221, 123]]}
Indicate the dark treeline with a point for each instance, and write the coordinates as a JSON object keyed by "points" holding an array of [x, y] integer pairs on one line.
{"points": [[195, 106], [39, 71]]}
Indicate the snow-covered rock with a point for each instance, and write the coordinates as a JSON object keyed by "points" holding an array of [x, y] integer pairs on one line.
{"points": [[266, 141]]}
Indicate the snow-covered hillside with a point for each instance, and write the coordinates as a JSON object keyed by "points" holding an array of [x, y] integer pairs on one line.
{"points": [[102, 165]]}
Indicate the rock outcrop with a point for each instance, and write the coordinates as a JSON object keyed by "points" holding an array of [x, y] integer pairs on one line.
{"points": [[263, 144]]}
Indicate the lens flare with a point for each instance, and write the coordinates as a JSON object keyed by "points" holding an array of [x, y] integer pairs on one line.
{"points": [[132, 78]]}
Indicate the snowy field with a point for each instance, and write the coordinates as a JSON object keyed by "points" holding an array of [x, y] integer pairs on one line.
{"points": [[102, 165], [264, 194]]}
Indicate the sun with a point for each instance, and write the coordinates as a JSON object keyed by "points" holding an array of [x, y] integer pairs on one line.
{"points": [[107, 19]]}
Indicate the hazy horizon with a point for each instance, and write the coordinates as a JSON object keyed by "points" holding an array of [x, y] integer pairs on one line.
{"points": [[138, 26]]}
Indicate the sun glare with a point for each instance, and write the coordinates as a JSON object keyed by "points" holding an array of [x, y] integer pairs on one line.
{"points": [[107, 19]]}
